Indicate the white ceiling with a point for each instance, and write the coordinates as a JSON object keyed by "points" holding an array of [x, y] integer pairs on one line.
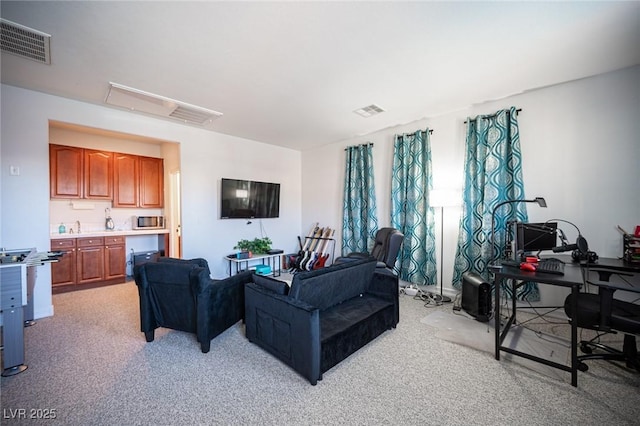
{"points": [[292, 73]]}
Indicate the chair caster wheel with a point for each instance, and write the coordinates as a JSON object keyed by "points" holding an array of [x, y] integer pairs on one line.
{"points": [[583, 367], [585, 349]]}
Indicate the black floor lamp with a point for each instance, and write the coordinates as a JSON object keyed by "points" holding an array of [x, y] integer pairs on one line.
{"points": [[443, 198], [541, 202]]}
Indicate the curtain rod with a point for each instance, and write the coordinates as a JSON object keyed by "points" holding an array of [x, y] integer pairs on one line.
{"points": [[413, 133], [493, 115], [355, 146], [371, 143]]}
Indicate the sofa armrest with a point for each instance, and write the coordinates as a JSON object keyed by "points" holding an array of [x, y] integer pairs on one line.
{"points": [[148, 321], [385, 284], [219, 303], [287, 328]]}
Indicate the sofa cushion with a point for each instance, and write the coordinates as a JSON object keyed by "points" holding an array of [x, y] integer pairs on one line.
{"points": [[340, 317], [272, 284], [349, 326], [330, 286]]}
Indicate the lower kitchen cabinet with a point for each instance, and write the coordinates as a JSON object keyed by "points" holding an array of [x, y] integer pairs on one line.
{"points": [[63, 272], [115, 258], [88, 262]]}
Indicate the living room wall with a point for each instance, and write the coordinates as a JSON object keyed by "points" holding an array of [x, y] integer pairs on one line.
{"points": [[206, 157], [580, 151]]}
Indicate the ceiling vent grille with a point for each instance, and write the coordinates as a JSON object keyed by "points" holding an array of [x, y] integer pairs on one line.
{"points": [[25, 42], [192, 114], [160, 106], [369, 111]]}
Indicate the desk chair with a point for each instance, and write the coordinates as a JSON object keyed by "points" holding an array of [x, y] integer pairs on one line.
{"points": [[385, 249], [603, 313]]}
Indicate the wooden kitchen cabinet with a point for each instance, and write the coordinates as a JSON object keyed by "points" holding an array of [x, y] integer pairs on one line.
{"points": [[63, 272], [98, 175], [65, 171], [115, 258], [129, 180], [125, 180], [151, 187], [88, 262], [138, 181], [90, 259], [80, 173]]}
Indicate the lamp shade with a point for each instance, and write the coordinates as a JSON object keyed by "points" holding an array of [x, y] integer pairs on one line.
{"points": [[444, 198]]}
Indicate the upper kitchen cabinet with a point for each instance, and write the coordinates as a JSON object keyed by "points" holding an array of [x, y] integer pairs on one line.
{"points": [[98, 174], [80, 173], [65, 168], [125, 180], [138, 181], [151, 188]]}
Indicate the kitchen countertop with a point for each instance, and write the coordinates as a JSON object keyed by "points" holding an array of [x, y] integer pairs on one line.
{"points": [[127, 233]]}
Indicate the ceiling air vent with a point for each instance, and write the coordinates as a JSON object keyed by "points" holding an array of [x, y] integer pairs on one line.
{"points": [[160, 106], [25, 42], [193, 114], [369, 111]]}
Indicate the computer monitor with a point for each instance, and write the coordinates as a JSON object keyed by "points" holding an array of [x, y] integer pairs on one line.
{"points": [[534, 237]]}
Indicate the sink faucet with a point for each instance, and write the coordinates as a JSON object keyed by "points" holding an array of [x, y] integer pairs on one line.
{"points": [[78, 223]]}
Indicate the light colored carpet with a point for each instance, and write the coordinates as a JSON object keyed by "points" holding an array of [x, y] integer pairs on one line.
{"points": [[464, 330], [90, 363]]}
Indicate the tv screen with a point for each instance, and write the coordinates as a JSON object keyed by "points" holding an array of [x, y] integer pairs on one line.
{"points": [[246, 199]]}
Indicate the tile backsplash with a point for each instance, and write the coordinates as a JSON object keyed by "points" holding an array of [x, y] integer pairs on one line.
{"points": [[91, 214]]}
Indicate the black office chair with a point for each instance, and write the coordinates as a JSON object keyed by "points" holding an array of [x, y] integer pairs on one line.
{"points": [[603, 313], [385, 249]]}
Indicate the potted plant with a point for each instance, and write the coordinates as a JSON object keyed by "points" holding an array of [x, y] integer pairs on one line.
{"points": [[256, 246]]}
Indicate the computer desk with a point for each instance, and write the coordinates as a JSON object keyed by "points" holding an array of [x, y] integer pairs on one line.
{"points": [[573, 278]]}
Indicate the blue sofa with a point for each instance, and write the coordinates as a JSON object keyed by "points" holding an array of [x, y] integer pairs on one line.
{"points": [[324, 317]]}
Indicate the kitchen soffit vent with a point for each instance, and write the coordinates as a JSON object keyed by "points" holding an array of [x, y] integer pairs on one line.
{"points": [[148, 103], [25, 42], [369, 111]]}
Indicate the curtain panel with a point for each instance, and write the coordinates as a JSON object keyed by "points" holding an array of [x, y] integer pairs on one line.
{"points": [[411, 213], [359, 213], [493, 174]]}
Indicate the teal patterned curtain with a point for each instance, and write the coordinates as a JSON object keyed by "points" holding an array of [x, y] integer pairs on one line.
{"points": [[493, 173], [359, 214], [410, 209]]}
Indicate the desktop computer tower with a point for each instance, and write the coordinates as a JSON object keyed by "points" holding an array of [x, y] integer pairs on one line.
{"points": [[476, 296]]}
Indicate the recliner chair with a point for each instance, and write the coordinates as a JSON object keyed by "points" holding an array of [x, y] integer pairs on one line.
{"points": [[180, 295], [603, 313], [385, 249]]}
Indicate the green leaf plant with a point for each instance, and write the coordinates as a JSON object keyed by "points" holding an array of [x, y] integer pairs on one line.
{"points": [[257, 246]]}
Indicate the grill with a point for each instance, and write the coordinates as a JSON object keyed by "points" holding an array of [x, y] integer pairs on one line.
{"points": [[25, 42]]}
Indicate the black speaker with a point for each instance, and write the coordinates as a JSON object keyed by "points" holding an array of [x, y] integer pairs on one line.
{"points": [[476, 296]]}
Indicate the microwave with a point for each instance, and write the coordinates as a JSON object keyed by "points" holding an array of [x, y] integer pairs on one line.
{"points": [[148, 222]]}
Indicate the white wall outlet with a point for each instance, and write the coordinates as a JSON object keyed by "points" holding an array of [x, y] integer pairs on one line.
{"points": [[14, 171]]}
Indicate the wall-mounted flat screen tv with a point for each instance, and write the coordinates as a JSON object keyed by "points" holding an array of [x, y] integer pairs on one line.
{"points": [[246, 199]]}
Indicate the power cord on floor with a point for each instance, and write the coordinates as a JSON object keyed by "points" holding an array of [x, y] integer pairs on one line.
{"points": [[431, 300], [457, 302]]}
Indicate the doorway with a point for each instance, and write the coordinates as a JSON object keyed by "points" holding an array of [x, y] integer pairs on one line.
{"points": [[175, 234]]}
